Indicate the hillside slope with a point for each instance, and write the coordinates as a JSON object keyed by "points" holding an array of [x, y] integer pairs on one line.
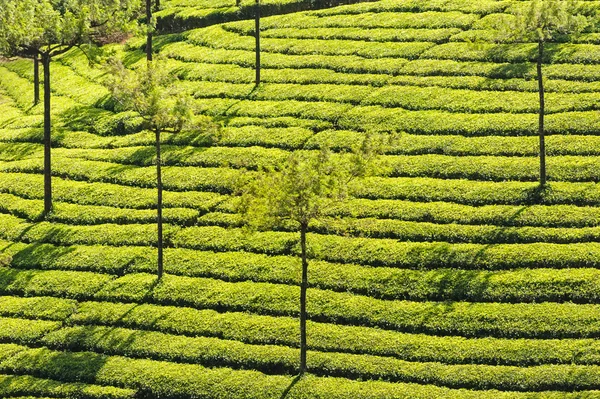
{"points": [[449, 275]]}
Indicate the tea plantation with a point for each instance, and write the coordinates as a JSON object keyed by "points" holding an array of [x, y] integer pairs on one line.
{"points": [[449, 274]]}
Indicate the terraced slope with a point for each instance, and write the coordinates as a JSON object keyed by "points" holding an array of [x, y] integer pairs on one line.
{"points": [[450, 275], [181, 15]]}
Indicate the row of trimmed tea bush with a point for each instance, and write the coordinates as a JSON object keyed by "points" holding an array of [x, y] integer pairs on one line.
{"points": [[280, 360], [543, 320], [11, 386]]}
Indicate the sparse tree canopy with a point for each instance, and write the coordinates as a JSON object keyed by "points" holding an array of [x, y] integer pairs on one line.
{"points": [[545, 20], [307, 185], [151, 92]]}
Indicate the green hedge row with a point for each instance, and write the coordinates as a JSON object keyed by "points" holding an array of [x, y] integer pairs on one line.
{"points": [[14, 385], [187, 381], [560, 168], [427, 232], [244, 135], [62, 212], [70, 284], [525, 285], [388, 252], [407, 97], [368, 251], [279, 92], [237, 74], [249, 158], [12, 117], [481, 7], [411, 144], [507, 320], [255, 329], [515, 53], [545, 320], [70, 139], [326, 111], [280, 360], [220, 180], [458, 100], [445, 212], [477, 193], [369, 20], [46, 308], [354, 64], [96, 258], [103, 122], [488, 84], [65, 82], [30, 186], [217, 37], [289, 138], [16, 229], [426, 67], [338, 388], [510, 79], [183, 16], [24, 331], [429, 122], [148, 377], [375, 35], [15, 86]]}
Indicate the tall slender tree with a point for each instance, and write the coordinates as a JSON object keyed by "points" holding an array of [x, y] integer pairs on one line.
{"points": [[149, 30], [543, 22], [36, 78], [257, 39], [48, 28], [152, 92], [301, 191]]}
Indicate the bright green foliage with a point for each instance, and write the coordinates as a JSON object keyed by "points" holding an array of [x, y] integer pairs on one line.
{"points": [[31, 25], [12, 385], [543, 20], [446, 274]]}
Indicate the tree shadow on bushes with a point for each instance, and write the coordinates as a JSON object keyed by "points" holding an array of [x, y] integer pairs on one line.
{"points": [[289, 388]]}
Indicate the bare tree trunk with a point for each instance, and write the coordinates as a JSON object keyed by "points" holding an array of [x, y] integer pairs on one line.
{"points": [[36, 79], [542, 112], [149, 26], [47, 137], [257, 36], [159, 201], [303, 289]]}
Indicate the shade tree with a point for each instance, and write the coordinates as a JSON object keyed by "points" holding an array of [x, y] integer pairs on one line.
{"points": [[303, 190], [152, 92], [48, 28], [544, 22]]}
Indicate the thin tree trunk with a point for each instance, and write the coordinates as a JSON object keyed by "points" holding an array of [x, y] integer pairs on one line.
{"points": [[159, 201], [257, 36], [47, 137], [303, 289], [542, 112], [36, 79], [149, 34], [157, 5]]}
